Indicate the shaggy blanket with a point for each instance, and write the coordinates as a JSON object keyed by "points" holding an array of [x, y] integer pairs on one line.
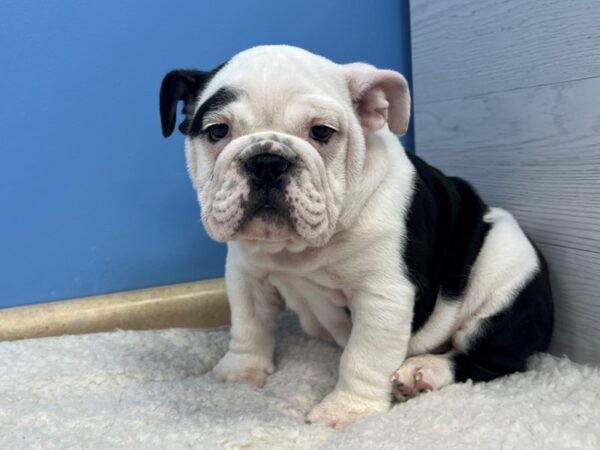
{"points": [[153, 389]]}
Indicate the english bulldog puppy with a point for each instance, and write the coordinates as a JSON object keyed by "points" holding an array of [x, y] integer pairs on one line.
{"points": [[297, 165]]}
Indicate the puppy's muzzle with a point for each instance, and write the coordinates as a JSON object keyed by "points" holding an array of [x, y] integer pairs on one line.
{"points": [[267, 170]]}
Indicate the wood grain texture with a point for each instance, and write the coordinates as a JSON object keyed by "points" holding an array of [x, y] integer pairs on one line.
{"points": [[463, 48], [534, 151], [508, 97], [574, 275], [199, 304]]}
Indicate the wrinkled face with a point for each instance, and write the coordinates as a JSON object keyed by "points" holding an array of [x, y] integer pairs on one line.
{"points": [[274, 138]]}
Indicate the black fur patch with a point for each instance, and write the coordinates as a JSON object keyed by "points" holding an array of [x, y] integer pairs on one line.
{"points": [[509, 337], [181, 85], [218, 100], [445, 231]]}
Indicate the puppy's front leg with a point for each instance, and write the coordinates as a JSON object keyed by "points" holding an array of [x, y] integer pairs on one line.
{"points": [[378, 343], [254, 307]]}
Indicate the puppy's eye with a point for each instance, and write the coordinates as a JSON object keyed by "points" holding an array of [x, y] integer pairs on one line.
{"points": [[217, 132], [321, 133]]}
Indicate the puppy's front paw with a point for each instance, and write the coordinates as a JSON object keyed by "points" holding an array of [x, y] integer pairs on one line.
{"points": [[253, 369], [339, 410]]}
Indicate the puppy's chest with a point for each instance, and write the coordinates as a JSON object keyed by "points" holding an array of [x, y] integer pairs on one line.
{"points": [[327, 274], [307, 280], [311, 290]]}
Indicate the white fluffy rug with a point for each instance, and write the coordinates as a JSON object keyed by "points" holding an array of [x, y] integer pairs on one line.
{"points": [[153, 389]]}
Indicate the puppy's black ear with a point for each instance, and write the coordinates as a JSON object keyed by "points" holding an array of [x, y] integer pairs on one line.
{"points": [[178, 85]]}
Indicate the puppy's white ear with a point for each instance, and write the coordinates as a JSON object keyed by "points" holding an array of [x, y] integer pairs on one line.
{"points": [[378, 96]]}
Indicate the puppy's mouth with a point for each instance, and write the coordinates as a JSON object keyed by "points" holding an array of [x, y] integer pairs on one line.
{"points": [[268, 204], [266, 216], [266, 210]]}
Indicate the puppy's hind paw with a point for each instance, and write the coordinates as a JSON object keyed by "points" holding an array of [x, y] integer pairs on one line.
{"points": [[421, 374]]}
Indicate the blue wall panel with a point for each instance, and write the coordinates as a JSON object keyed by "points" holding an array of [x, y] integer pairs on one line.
{"points": [[93, 199]]}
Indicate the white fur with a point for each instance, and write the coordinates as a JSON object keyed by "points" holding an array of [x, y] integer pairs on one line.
{"points": [[438, 328], [319, 312], [359, 267]]}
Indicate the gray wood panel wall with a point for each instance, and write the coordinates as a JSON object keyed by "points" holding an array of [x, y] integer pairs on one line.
{"points": [[507, 95]]}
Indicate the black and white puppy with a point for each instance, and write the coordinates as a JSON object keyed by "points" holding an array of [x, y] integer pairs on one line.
{"points": [[298, 167]]}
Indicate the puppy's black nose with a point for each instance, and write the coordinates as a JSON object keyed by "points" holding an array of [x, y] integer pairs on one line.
{"points": [[267, 169]]}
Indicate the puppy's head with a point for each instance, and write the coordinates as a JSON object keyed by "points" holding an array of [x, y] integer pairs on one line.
{"points": [[276, 137]]}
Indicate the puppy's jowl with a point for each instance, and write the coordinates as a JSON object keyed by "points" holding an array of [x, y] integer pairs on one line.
{"points": [[298, 167]]}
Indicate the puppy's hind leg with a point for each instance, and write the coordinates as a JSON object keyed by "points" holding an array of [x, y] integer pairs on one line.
{"points": [[485, 348], [425, 373]]}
